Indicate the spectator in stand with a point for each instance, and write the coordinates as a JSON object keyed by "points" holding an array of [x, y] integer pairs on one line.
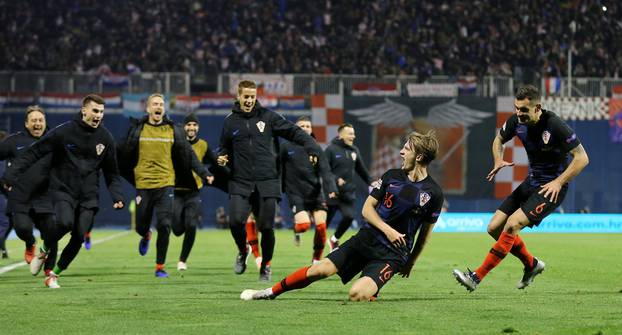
{"points": [[421, 38]]}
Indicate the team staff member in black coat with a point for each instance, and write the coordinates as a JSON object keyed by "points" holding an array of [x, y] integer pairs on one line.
{"points": [[249, 145], [80, 148], [187, 204], [302, 182], [155, 157], [344, 159], [29, 204]]}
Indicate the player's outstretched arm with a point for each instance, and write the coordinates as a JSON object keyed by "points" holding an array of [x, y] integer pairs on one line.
{"points": [[497, 155]]}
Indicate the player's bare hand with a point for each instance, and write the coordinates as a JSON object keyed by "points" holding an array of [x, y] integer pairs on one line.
{"points": [[210, 179], [341, 182], [222, 160], [498, 166], [396, 238], [406, 269], [313, 160], [332, 195], [8, 188], [551, 190], [118, 205]]}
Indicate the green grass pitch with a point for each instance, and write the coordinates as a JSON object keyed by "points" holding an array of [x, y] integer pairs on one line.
{"points": [[111, 289]]}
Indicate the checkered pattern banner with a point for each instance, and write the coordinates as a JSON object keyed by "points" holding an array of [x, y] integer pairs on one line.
{"points": [[326, 116], [386, 157], [510, 177]]}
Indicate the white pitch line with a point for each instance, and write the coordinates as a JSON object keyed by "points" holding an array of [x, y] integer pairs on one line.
{"points": [[14, 266]]}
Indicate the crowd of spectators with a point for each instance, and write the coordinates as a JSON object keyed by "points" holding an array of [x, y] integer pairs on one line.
{"points": [[423, 37]]}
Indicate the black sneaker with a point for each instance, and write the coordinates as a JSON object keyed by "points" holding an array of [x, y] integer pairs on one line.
{"points": [[240, 263], [467, 279], [265, 273], [530, 274], [5, 254]]}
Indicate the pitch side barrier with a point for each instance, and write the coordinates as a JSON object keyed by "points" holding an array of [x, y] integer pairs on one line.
{"points": [[554, 223]]}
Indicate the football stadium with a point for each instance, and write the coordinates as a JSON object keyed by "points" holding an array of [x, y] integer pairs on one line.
{"points": [[306, 167]]}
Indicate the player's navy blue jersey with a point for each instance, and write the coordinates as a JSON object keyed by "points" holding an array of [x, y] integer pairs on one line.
{"points": [[405, 205], [547, 144]]}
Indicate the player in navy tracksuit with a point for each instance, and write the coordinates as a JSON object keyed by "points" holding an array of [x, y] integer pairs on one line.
{"points": [[249, 146], [548, 140], [400, 213], [302, 182], [80, 148], [29, 204], [345, 160]]}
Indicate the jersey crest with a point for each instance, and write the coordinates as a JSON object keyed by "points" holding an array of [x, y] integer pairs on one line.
{"points": [[424, 197], [99, 148], [546, 136], [353, 155], [261, 126]]}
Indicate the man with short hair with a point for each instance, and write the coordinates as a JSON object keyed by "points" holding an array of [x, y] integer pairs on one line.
{"points": [[400, 213], [29, 204], [302, 182], [548, 140], [345, 161], [187, 203], [80, 149], [249, 146], [155, 156]]}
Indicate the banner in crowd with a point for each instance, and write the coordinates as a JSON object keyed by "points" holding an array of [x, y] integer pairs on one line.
{"points": [[432, 90], [554, 223], [268, 84], [17, 99], [615, 114], [578, 108], [113, 80], [459, 123], [74, 101], [552, 85], [375, 89], [467, 85]]}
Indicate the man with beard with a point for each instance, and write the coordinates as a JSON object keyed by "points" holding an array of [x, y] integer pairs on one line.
{"points": [[155, 156], [548, 140], [187, 204], [80, 149], [345, 160]]}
